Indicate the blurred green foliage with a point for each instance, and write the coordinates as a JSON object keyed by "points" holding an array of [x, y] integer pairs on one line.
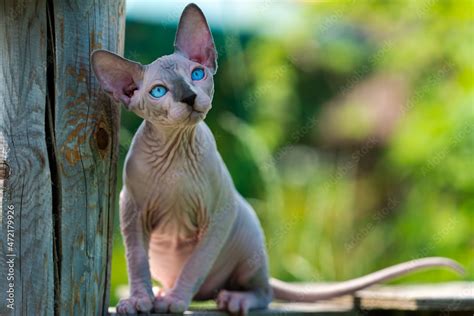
{"points": [[351, 135]]}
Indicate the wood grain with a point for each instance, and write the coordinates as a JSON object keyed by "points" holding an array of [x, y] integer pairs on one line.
{"points": [[23, 89], [443, 297], [86, 130]]}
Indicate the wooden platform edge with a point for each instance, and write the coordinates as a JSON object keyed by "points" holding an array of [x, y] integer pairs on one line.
{"points": [[437, 298]]}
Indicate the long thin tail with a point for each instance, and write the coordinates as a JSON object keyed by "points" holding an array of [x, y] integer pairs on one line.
{"points": [[302, 293]]}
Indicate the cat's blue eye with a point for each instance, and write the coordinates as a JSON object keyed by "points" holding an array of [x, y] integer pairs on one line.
{"points": [[197, 74], [158, 91]]}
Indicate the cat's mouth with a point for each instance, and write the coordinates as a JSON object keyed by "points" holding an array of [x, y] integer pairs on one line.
{"points": [[196, 115]]}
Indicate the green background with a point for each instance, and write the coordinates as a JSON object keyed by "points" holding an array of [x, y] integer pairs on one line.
{"points": [[351, 134]]}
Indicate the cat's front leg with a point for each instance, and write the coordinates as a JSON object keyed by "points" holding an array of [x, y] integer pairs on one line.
{"points": [[199, 264], [136, 244]]}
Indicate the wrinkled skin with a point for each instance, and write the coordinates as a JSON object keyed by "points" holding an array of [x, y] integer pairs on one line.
{"points": [[183, 222]]}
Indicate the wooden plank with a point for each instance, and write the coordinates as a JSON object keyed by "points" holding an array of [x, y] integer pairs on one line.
{"points": [[293, 309], [86, 128], [455, 296], [27, 189], [432, 298]]}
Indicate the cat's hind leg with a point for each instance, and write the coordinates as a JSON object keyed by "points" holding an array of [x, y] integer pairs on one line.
{"points": [[240, 302], [255, 293], [248, 287]]}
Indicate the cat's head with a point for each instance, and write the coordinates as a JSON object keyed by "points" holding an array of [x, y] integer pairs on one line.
{"points": [[174, 90]]}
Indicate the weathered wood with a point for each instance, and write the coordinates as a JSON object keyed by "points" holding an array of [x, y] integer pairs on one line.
{"points": [[455, 296], [433, 299], [86, 129], [26, 252], [58, 155]]}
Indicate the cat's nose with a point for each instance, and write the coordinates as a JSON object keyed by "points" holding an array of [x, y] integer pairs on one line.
{"points": [[189, 99]]}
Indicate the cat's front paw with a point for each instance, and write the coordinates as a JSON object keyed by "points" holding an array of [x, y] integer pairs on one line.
{"points": [[170, 303], [135, 304]]}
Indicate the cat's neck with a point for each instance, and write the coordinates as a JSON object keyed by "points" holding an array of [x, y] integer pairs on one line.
{"points": [[170, 140]]}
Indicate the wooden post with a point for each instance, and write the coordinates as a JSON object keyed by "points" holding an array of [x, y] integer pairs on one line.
{"points": [[26, 263], [58, 156]]}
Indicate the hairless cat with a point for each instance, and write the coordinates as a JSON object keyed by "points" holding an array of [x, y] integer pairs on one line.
{"points": [[182, 220]]}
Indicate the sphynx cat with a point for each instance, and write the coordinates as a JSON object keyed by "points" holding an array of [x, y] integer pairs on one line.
{"points": [[182, 220]]}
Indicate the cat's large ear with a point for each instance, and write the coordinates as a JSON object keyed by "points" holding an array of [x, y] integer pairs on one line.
{"points": [[118, 76], [194, 39]]}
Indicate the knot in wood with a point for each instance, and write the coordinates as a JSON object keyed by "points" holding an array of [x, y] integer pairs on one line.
{"points": [[102, 138], [4, 170]]}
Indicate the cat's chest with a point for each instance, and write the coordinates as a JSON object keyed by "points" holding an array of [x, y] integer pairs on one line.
{"points": [[180, 211], [174, 198]]}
